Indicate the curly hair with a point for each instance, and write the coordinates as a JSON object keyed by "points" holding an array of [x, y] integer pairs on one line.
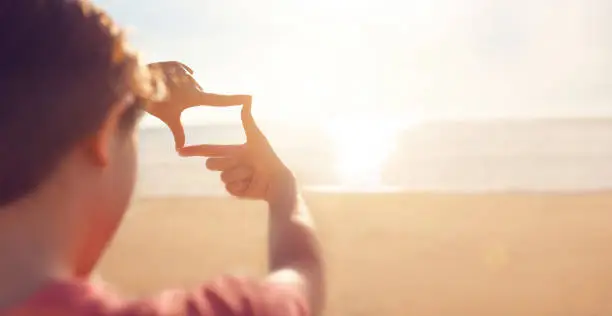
{"points": [[63, 64]]}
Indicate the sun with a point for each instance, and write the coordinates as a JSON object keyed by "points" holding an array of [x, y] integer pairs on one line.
{"points": [[361, 148]]}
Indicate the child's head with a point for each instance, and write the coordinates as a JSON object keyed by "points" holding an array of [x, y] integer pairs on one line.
{"points": [[70, 97]]}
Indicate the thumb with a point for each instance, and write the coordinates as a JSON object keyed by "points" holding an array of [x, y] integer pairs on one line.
{"points": [[176, 127], [251, 129]]}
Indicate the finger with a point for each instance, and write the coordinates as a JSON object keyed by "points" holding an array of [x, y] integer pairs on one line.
{"points": [[174, 66], [185, 67], [251, 129], [194, 83], [176, 127], [237, 174], [220, 164], [192, 92], [257, 187], [169, 67], [212, 99], [237, 188], [211, 150]]}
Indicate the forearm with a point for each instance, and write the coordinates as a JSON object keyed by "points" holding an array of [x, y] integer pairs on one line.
{"points": [[294, 246], [292, 237]]}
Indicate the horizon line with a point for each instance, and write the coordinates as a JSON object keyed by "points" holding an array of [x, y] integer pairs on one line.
{"points": [[467, 119]]}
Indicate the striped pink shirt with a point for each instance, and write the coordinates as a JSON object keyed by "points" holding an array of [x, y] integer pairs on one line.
{"points": [[226, 296]]}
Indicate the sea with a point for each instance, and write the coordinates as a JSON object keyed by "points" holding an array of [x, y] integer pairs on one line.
{"points": [[461, 156]]}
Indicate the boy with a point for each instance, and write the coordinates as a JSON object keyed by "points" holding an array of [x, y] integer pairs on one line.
{"points": [[70, 98]]}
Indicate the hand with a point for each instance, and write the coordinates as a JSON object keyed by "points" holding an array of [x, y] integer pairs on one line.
{"points": [[252, 170], [184, 92]]}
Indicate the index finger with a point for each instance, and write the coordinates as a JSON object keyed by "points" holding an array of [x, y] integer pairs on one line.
{"points": [[171, 66], [210, 150], [212, 99]]}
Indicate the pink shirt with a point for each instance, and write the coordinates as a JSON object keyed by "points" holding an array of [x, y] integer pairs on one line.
{"points": [[226, 296]]}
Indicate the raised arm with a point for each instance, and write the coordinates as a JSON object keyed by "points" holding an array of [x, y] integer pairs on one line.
{"points": [[254, 171], [295, 255]]}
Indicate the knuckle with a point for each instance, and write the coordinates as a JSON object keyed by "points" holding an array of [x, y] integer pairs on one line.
{"points": [[225, 177], [235, 188], [212, 163]]}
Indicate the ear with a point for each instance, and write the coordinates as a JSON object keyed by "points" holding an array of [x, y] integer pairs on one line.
{"points": [[100, 145]]}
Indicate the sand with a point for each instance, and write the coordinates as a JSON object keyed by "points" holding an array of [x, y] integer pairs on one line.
{"points": [[391, 254]]}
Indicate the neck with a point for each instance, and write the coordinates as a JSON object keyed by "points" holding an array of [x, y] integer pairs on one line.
{"points": [[35, 247]]}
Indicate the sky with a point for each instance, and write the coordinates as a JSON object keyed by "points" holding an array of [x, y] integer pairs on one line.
{"points": [[306, 61]]}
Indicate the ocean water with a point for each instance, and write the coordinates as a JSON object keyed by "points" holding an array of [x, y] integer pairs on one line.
{"points": [[567, 155]]}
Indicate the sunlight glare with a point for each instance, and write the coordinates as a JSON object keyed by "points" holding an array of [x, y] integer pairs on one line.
{"points": [[361, 149]]}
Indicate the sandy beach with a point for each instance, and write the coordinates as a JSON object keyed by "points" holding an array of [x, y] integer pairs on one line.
{"points": [[391, 254]]}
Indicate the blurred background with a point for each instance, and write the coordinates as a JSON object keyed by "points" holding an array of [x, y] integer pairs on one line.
{"points": [[439, 94], [456, 153]]}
